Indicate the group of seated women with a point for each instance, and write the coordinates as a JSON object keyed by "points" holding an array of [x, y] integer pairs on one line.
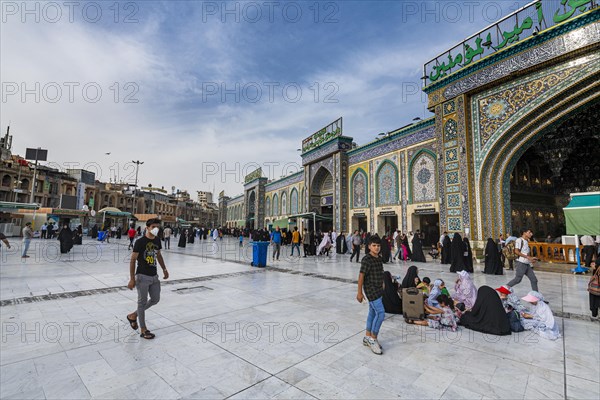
{"points": [[492, 311]]}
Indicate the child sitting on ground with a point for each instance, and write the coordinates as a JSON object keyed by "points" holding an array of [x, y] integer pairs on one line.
{"points": [[434, 253], [424, 285], [441, 317]]}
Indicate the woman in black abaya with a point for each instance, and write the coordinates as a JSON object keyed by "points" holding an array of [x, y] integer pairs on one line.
{"points": [[468, 255], [182, 239], [409, 279], [385, 250], [391, 301], [66, 239], [340, 244], [417, 250], [487, 315], [447, 250], [191, 235], [493, 263], [458, 259]]}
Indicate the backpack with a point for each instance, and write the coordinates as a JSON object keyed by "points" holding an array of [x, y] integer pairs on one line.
{"points": [[594, 284], [515, 321], [509, 251]]}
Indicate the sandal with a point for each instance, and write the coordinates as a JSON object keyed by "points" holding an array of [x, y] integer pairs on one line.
{"points": [[148, 335], [409, 321], [132, 323]]}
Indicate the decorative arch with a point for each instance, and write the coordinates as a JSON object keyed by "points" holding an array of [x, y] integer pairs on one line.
{"points": [[294, 201], [386, 178], [6, 180], [516, 136], [268, 206], [284, 204], [302, 197], [359, 189], [422, 182], [275, 205]]}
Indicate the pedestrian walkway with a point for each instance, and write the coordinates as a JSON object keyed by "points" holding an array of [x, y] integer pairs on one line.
{"points": [[291, 330]]}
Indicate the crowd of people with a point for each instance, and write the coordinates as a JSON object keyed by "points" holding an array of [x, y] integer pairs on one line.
{"points": [[485, 309]]}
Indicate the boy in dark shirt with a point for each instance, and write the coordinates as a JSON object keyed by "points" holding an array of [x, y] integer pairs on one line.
{"points": [[370, 280], [146, 251]]}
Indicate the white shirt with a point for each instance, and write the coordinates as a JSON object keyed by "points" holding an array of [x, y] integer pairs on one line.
{"points": [[441, 241], [587, 240], [523, 246]]}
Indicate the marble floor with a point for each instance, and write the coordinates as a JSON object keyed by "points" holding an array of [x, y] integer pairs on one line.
{"points": [[292, 330]]}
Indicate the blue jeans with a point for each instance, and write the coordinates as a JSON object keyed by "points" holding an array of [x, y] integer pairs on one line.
{"points": [[376, 315], [297, 246], [26, 243]]}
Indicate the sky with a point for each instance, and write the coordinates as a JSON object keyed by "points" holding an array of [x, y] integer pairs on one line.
{"points": [[205, 92]]}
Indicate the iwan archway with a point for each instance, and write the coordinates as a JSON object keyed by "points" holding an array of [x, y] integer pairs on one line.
{"points": [[576, 87]]}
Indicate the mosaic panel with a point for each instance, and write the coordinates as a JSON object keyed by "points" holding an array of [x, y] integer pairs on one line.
{"points": [[450, 130], [454, 212], [289, 180], [465, 171], [371, 196], [378, 150], [404, 196], [294, 202], [453, 200], [387, 184], [359, 190], [423, 179], [451, 178], [275, 205], [453, 189], [449, 107], [338, 144], [495, 110], [540, 53], [452, 143], [454, 224], [268, 207], [451, 166], [451, 155]]}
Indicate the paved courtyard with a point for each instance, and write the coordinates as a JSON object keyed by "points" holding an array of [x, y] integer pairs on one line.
{"points": [[293, 330]]}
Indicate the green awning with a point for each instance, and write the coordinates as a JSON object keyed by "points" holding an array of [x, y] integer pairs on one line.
{"points": [[281, 223], [9, 206], [582, 215], [318, 217]]}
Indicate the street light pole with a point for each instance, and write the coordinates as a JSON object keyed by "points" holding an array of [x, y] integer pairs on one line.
{"points": [[137, 167], [34, 175]]}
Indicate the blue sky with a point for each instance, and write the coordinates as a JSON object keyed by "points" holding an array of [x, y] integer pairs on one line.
{"points": [[366, 62]]}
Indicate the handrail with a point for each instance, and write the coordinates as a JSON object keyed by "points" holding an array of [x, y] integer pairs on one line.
{"points": [[553, 252]]}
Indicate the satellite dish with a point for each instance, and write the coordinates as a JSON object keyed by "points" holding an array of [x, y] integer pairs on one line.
{"points": [[93, 213]]}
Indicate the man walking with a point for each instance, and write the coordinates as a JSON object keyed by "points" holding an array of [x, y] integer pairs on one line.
{"points": [[167, 236], [306, 241], [131, 235], [296, 240], [356, 240], [147, 252], [27, 236], [276, 242], [523, 263], [44, 230]]}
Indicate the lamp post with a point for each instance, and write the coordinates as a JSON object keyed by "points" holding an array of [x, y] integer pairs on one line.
{"points": [[137, 167]]}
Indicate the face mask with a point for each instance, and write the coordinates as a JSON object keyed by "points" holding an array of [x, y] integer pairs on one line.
{"points": [[154, 231]]}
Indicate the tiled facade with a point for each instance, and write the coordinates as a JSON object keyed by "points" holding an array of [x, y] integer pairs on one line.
{"points": [[456, 164]]}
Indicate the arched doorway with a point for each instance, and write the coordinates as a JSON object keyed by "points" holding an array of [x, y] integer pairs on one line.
{"points": [[251, 210], [564, 160], [321, 198], [531, 124]]}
